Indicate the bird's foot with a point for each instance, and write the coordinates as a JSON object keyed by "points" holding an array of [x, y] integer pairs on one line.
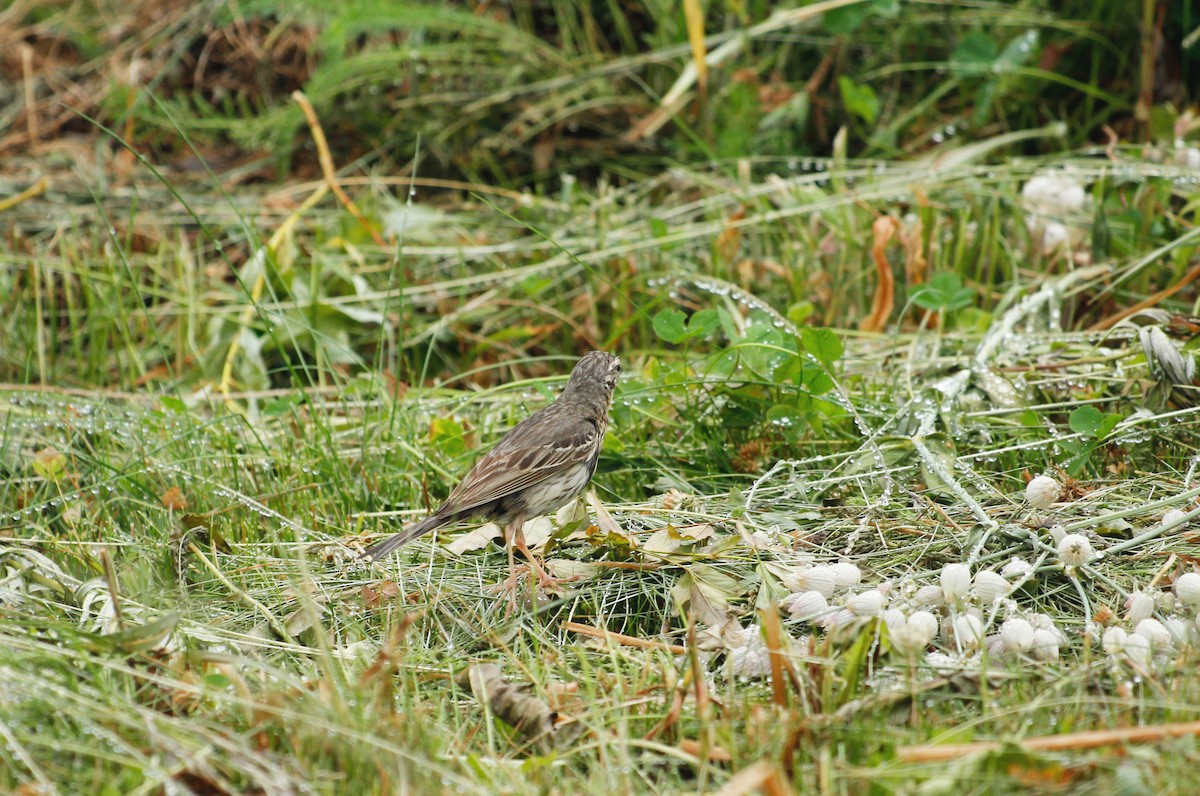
{"points": [[511, 585], [548, 582]]}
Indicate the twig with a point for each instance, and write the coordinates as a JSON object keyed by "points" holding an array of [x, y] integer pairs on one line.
{"points": [[773, 630], [1089, 739], [621, 638], [1112, 320], [36, 189], [31, 120], [762, 777], [327, 169], [259, 284]]}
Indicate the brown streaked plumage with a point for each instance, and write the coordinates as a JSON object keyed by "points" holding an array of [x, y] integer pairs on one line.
{"points": [[544, 462]]}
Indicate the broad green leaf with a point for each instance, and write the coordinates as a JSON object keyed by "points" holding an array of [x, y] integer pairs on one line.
{"points": [[944, 292], [1091, 422], [670, 325], [859, 99], [974, 55], [822, 344], [675, 327]]}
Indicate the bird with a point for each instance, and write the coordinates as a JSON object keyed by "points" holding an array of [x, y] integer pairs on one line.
{"points": [[540, 465]]}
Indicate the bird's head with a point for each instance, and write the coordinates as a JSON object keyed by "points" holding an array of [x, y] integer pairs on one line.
{"points": [[598, 370]]}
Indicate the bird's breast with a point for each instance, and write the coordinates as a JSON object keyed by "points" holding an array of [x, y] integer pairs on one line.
{"points": [[551, 493]]}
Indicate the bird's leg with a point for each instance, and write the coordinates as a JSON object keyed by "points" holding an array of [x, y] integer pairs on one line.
{"points": [[547, 580], [510, 585], [514, 539]]}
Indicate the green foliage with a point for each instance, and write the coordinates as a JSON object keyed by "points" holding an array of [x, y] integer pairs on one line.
{"points": [[675, 327], [860, 100], [944, 292], [481, 89], [1095, 427]]}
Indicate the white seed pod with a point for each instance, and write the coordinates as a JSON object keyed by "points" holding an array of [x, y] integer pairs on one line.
{"points": [[1165, 602], [1171, 516], [1153, 631], [1053, 194], [996, 647], [819, 578], [1042, 492], [1187, 588], [895, 619], [1045, 644], [1139, 606], [1017, 634], [842, 617], [956, 579], [1016, 568], [923, 625], [1045, 622], [866, 604], [968, 630], [912, 637], [990, 587], [929, 595], [1113, 640], [1181, 631], [846, 574], [805, 605], [1074, 550], [1137, 649]]}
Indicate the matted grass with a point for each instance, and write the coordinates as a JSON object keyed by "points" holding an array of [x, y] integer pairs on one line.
{"points": [[808, 563], [182, 602]]}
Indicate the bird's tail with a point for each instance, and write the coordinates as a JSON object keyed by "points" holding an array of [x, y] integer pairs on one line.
{"points": [[381, 549]]}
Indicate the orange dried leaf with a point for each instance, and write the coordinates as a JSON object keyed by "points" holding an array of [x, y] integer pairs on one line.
{"points": [[885, 292], [173, 499]]}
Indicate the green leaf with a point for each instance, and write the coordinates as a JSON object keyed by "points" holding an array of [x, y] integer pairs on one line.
{"points": [[448, 435], [974, 55], [814, 379], [658, 227], [172, 404], [1091, 423], [674, 326], [770, 588], [822, 344], [141, 637], [945, 292], [703, 323], [670, 325], [1087, 420], [278, 407], [787, 419], [859, 99], [1020, 50], [49, 464], [848, 19]]}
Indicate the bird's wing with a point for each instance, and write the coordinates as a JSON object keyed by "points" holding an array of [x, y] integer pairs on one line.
{"points": [[510, 468]]}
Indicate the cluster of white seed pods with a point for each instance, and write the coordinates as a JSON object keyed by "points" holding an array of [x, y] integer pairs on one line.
{"points": [[959, 613], [1144, 638], [955, 613], [1054, 203]]}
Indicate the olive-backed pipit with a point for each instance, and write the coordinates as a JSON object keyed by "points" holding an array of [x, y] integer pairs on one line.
{"points": [[543, 463]]}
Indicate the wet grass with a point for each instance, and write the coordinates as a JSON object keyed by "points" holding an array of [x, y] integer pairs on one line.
{"points": [[840, 375], [182, 600]]}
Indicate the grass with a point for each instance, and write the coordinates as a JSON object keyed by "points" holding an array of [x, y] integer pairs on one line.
{"points": [[213, 398]]}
